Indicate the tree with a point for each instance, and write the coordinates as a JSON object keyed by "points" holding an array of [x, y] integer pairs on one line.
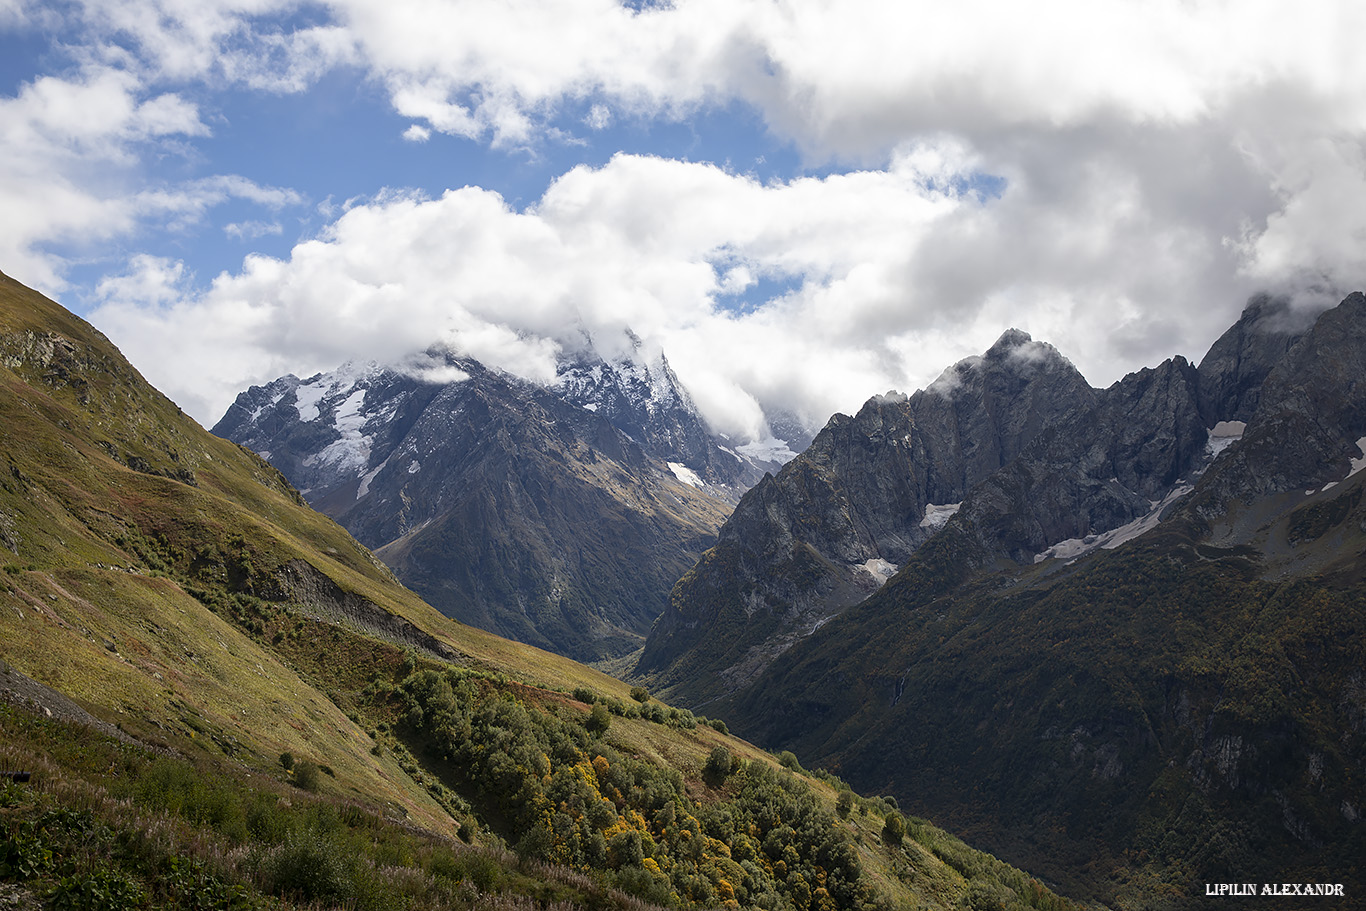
{"points": [[719, 765], [306, 775], [895, 829], [599, 719]]}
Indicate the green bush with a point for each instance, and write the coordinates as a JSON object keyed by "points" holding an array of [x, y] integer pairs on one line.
{"points": [[640, 694], [307, 867], [306, 775], [25, 853], [599, 719], [720, 763], [641, 883], [191, 887], [894, 830], [104, 889]]}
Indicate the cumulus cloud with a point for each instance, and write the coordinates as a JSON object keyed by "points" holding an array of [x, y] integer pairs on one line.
{"points": [[1114, 178], [63, 142], [635, 243]]}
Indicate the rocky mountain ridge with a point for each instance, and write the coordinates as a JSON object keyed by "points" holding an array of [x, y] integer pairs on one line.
{"points": [[1014, 442], [1134, 651], [558, 516]]}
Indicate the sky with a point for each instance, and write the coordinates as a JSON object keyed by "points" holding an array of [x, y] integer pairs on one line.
{"points": [[801, 203]]}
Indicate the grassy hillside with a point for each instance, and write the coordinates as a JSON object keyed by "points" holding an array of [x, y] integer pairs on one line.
{"points": [[288, 726]]}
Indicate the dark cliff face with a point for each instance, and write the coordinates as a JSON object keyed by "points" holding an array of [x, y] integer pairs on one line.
{"points": [[1095, 471], [1234, 368], [837, 520], [1310, 416], [1034, 462], [500, 502]]}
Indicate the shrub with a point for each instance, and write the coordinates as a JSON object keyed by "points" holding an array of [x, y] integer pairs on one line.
{"points": [[599, 719], [894, 830], [103, 890], [287, 760], [641, 883], [307, 867], [719, 765], [640, 694], [306, 775], [24, 854], [844, 803]]}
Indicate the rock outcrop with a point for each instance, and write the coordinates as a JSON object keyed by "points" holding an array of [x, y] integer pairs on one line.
{"points": [[831, 527]]}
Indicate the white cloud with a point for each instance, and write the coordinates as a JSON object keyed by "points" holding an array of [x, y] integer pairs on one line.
{"points": [[64, 143], [1169, 155], [246, 42], [250, 230], [855, 78], [153, 281], [1150, 165], [599, 117], [629, 244]]}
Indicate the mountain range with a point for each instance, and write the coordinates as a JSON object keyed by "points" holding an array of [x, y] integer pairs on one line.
{"points": [[556, 515], [1011, 600], [223, 701], [1119, 638]]}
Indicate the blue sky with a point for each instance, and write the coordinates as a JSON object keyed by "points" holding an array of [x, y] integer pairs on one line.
{"points": [[803, 203]]}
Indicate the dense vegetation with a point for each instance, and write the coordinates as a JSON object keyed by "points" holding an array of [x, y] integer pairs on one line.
{"points": [[1133, 726], [107, 826], [567, 797]]}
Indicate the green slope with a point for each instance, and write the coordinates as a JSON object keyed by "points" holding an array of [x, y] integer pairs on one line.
{"points": [[174, 586], [1136, 725]]}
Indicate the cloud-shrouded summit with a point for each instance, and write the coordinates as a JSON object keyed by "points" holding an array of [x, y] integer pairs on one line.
{"points": [[802, 203]]}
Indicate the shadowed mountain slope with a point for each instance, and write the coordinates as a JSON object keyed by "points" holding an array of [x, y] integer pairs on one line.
{"points": [[507, 505], [1132, 658]]}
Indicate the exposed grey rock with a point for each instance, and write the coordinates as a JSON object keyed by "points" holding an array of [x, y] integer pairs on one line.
{"points": [[1311, 410], [1096, 470], [837, 520], [1232, 371], [501, 502], [647, 402]]}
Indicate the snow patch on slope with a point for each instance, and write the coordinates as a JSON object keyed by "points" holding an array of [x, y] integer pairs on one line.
{"points": [[364, 487], [685, 474], [936, 515], [1077, 547], [1223, 435], [1359, 464], [307, 397], [878, 568], [351, 451], [769, 450]]}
